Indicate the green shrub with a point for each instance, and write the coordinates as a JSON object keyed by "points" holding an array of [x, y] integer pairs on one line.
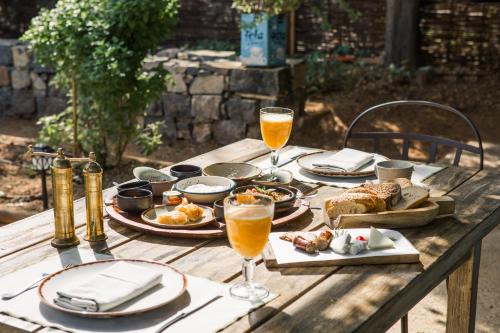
{"points": [[100, 45]]}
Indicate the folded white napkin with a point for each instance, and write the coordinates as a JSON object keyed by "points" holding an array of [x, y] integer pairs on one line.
{"points": [[109, 288], [348, 159]]}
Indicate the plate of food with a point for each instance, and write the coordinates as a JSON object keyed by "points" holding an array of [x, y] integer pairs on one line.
{"points": [[284, 198], [349, 163], [332, 247], [183, 216]]}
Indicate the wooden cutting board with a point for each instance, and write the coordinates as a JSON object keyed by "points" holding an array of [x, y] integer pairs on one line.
{"points": [[427, 212], [280, 253]]}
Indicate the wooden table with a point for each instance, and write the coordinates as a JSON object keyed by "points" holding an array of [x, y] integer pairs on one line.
{"points": [[333, 299]]}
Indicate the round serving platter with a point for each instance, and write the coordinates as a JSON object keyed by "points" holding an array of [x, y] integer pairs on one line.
{"points": [[212, 230], [306, 163], [173, 285]]}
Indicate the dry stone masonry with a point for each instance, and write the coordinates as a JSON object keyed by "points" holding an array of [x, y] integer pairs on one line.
{"points": [[211, 95]]}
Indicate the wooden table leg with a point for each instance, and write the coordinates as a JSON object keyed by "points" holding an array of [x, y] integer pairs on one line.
{"points": [[404, 324], [462, 294]]}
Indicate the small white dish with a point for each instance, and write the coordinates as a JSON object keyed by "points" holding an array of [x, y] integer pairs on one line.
{"points": [[173, 285], [206, 197], [284, 177]]}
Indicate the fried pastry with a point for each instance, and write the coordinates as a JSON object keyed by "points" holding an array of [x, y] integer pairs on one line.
{"points": [[173, 217], [192, 211]]}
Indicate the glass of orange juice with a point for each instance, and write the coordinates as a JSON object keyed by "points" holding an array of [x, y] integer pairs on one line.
{"points": [[275, 127], [248, 223]]}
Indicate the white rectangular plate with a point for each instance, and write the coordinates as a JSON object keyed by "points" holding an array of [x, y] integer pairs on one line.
{"points": [[280, 253]]}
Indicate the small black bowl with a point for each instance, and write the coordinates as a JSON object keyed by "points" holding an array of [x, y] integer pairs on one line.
{"points": [[219, 209], [183, 171], [134, 200], [137, 184]]}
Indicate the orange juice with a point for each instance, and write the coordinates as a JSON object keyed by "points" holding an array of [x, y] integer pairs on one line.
{"points": [[248, 230], [275, 129]]}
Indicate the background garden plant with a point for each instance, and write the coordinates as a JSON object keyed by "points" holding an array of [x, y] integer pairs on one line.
{"points": [[97, 48]]}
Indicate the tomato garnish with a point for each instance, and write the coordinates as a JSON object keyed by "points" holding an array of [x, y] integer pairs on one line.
{"points": [[361, 238]]}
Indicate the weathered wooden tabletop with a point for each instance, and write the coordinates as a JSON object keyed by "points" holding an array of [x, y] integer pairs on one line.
{"points": [[334, 299]]}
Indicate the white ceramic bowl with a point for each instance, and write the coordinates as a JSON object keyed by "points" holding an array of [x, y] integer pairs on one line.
{"points": [[209, 197]]}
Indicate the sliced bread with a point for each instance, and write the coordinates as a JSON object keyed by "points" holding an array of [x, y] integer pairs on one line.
{"points": [[403, 182], [388, 194], [411, 197], [350, 203]]}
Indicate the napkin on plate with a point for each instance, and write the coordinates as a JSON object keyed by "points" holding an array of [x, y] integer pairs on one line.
{"points": [[109, 288], [348, 159]]}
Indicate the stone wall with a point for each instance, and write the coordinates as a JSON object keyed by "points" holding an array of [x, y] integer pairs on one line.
{"points": [[24, 85], [211, 95]]}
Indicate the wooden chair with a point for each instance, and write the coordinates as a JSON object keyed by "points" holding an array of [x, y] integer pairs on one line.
{"points": [[407, 138]]}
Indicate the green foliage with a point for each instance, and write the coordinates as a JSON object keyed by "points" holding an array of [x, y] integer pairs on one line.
{"points": [[56, 129], [270, 7], [324, 71], [150, 138], [277, 7], [102, 45]]}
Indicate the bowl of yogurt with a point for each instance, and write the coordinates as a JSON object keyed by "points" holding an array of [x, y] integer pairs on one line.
{"points": [[205, 189]]}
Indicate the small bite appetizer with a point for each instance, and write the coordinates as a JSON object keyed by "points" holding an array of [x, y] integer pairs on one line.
{"points": [[173, 217], [309, 242], [192, 211]]}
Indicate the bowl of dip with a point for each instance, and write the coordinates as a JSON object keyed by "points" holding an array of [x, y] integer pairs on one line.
{"points": [[205, 189]]}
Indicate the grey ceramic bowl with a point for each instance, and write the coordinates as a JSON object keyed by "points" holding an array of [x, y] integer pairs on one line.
{"points": [[136, 184], [134, 200], [183, 171], [392, 169], [160, 182], [241, 173]]}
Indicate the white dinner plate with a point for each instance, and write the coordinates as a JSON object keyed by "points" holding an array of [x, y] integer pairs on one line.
{"points": [[306, 163], [173, 285]]}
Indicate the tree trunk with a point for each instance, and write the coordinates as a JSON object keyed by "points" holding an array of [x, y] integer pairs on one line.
{"points": [[74, 106], [401, 33]]}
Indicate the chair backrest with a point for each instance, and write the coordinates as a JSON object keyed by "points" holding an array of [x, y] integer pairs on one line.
{"points": [[407, 138]]}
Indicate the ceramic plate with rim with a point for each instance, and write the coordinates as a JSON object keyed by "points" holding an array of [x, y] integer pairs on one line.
{"points": [[173, 285], [150, 215], [306, 162], [239, 172]]}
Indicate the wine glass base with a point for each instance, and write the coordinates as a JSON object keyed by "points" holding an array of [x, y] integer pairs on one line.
{"points": [[251, 292]]}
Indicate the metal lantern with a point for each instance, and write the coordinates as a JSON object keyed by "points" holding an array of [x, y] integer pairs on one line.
{"points": [[42, 164]]}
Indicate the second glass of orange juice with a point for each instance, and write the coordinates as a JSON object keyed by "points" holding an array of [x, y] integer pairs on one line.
{"points": [[275, 127], [248, 222]]}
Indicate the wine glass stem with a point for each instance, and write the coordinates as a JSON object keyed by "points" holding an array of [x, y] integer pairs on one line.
{"points": [[274, 160], [248, 268]]}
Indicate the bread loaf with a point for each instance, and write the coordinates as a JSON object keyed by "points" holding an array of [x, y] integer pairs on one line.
{"points": [[411, 197], [387, 194]]}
